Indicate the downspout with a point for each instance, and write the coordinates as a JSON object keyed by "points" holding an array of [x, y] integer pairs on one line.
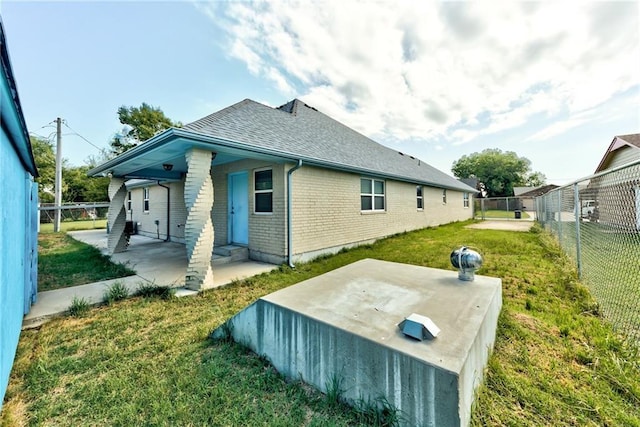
{"points": [[289, 209], [168, 239]]}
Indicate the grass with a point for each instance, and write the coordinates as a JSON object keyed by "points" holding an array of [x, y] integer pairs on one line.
{"points": [[148, 361], [79, 307], [609, 269], [116, 292], [500, 214], [75, 225], [64, 261]]}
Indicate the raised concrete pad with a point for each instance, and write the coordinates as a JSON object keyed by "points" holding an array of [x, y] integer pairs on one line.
{"points": [[342, 326]]}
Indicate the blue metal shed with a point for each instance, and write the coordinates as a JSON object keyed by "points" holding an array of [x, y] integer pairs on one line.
{"points": [[18, 219]]}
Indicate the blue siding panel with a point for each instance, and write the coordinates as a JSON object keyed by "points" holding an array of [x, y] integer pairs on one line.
{"points": [[13, 246]]}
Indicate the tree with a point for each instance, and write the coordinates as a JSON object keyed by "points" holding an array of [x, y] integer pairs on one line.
{"points": [[78, 188], [141, 123], [498, 171], [45, 160], [536, 179]]}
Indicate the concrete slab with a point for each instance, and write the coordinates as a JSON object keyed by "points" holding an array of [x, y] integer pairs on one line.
{"points": [[343, 326], [154, 261], [501, 224]]}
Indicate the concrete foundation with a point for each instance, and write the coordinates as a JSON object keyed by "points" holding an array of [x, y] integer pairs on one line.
{"points": [[341, 328]]}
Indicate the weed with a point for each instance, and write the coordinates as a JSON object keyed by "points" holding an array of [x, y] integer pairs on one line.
{"points": [[334, 389], [116, 292], [79, 307], [151, 290], [377, 412]]}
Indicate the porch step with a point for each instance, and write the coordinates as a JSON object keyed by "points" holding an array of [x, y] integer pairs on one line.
{"points": [[229, 253]]}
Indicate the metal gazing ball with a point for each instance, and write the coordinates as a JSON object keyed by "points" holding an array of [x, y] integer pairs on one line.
{"points": [[467, 261]]}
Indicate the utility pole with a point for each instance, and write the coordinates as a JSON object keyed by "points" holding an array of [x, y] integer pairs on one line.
{"points": [[58, 189]]}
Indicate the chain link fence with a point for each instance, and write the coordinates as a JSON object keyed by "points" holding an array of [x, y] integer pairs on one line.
{"points": [[597, 222], [73, 211], [504, 208]]}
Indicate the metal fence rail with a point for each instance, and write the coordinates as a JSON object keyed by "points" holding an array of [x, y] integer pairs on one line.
{"points": [[73, 211], [597, 222]]}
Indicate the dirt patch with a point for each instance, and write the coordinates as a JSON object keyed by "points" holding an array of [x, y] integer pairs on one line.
{"points": [[508, 225]]}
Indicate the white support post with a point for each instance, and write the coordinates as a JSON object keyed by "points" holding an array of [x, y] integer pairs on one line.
{"points": [[117, 241], [198, 199]]}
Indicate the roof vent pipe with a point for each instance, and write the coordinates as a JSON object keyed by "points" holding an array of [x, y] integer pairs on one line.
{"points": [[289, 209]]}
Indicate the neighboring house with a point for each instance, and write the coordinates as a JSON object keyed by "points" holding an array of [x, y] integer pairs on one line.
{"points": [[527, 195], [615, 197], [18, 219], [290, 184]]}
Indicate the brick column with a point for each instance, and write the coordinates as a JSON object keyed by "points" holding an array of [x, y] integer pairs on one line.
{"points": [[117, 217], [198, 233]]}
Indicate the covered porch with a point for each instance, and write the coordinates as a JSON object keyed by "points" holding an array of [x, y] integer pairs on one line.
{"points": [[176, 155]]}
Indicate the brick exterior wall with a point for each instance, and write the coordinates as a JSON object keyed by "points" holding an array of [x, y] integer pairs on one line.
{"points": [[158, 211], [326, 206], [327, 215]]}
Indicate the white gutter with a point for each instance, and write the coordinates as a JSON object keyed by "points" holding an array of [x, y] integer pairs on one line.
{"points": [[289, 209]]}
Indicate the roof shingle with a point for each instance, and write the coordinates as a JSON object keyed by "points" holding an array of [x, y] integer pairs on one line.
{"points": [[299, 130]]}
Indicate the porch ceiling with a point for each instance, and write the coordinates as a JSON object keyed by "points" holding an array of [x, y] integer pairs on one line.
{"points": [[147, 160]]}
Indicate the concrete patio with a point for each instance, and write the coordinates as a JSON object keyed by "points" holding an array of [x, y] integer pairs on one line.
{"points": [[154, 261]]}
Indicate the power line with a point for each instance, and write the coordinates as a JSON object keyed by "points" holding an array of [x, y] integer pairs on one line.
{"points": [[77, 134]]}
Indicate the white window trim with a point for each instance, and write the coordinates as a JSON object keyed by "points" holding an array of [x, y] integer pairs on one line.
{"points": [[128, 201], [466, 200], [373, 195], [146, 203], [444, 196], [421, 197], [262, 191]]}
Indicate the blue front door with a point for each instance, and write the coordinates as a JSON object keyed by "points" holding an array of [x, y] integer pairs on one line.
{"points": [[239, 208]]}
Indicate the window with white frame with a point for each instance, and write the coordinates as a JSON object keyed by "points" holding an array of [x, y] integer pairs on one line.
{"points": [[263, 191], [444, 196], [129, 201], [465, 200], [419, 198], [145, 199], [371, 195]]}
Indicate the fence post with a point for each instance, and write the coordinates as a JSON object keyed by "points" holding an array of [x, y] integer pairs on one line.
{"points": [[577, 210], [560, 217], [482, 207]]}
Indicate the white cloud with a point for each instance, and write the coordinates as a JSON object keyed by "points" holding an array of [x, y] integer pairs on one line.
{"points": [[453, 71]]}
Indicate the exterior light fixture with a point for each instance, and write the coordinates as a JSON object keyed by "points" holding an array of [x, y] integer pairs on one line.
{"points": [[467, 261], [167, 166]]}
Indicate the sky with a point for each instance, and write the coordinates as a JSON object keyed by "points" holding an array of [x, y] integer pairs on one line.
{"points": [[551, 81]]}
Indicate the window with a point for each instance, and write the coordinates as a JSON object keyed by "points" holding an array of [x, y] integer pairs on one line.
{"points": [[465, 200], [263, 187], [371, 194], [129, 201], [444, 196], [419, 198], [145, 199]]}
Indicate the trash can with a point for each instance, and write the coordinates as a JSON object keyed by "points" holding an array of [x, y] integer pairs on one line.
{"points": [[518, 214]]}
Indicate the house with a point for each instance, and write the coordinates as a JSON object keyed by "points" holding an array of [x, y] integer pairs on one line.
{"points": [[288, 183], [18, 219], [527, 195], [614, 193]]}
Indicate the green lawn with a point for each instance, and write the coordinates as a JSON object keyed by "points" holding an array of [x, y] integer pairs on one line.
{"points": [[150, 362], [64, 261], [75, 225]]}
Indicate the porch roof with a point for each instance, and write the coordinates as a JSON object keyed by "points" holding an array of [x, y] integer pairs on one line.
{"points": [[292, 132]]}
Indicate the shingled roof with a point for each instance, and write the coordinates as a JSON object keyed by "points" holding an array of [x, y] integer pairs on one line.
{"points": [[297, 130], [620, 141]]}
